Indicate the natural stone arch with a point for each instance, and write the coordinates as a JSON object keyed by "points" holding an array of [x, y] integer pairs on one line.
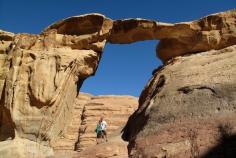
{"points": [[41, 71]]}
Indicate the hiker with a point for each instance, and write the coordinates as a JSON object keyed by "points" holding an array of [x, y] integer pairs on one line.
{"points": [[101, 129], [98, 130]]}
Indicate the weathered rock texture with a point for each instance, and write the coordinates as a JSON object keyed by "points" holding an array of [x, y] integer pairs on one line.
{"points": [[41, 74], [187, 109], [69, 138], [24, 148], [80, 134]]}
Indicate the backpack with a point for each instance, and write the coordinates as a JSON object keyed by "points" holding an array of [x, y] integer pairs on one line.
{"points": [[98, 128]]}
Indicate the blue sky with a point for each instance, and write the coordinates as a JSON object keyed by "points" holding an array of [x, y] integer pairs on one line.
{"points": [[124, 69]]}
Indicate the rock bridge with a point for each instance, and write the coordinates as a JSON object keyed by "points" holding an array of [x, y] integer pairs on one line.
{"points": [[39, 73]]}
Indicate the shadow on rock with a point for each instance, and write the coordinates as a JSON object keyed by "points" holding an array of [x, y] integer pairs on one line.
{"points": [[225, 149]]}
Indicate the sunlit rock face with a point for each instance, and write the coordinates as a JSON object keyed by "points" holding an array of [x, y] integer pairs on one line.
{"points": [[215, 31], [41, 74]]}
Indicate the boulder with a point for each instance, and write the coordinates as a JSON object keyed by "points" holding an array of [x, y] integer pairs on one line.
{"points": [[187, 109]]}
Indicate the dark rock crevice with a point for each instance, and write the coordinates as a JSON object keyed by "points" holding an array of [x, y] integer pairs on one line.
{"points": [[190, 89], [6, 124], [80, 131]]}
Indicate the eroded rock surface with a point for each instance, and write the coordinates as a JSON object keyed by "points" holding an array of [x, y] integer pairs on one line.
{"points": [[69, 138], [41, 75], [187, 109]]}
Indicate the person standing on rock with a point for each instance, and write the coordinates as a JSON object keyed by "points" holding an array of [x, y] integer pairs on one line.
{"points": [[103, 127], [98, 131]]}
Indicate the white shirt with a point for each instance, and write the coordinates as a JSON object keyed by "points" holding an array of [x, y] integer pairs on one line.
{"points": [[103, 125]]}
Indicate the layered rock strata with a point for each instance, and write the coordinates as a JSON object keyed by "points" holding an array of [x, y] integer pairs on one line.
{"points": [[114, 109], [80, 136], [69, 138]]}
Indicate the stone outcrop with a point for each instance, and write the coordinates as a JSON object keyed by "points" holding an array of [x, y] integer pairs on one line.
{"points": [[41, 75], [80, 135], [187, 109]]}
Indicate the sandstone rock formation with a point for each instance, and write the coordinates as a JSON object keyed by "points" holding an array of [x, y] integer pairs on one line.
{"points": [[80, 134], [69, 137], [41, 76], [24, 148], [187, 108]]}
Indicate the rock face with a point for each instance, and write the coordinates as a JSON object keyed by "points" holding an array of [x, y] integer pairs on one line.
{"points": [[68, 139], [187, 109], [24, 148], [40, 77], [80, 135]]}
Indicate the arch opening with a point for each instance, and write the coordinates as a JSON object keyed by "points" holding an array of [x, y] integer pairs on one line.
{"points": [[113, 92], [124, 69]]}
